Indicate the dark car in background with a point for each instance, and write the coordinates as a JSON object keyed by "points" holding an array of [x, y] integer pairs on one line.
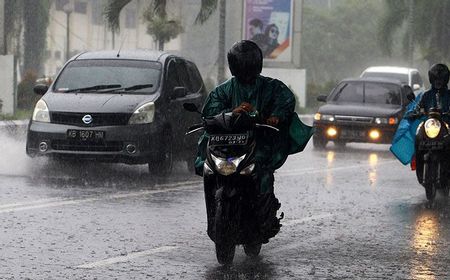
{"points": [[361, 110], [118, 107]]}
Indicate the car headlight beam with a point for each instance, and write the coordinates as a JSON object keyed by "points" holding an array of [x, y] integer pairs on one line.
{"points": [[432, 128], [41, 112], [143, 114]]}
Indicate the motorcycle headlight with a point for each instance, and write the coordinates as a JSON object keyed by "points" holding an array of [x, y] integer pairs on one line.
{"points": [[41, 113], [432, 128], [143, 114], [226, 166]]}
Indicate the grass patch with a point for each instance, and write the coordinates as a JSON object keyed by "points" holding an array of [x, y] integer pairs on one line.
{"points": [[19, 115]]}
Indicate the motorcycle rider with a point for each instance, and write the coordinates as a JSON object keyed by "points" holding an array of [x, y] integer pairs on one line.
{"points": [[273, 103], [438, 96]]}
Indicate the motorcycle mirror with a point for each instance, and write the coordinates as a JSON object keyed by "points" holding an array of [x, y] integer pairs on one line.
{"points": [[191, 107]]}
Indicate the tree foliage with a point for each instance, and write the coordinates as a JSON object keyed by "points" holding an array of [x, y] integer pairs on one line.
{"points": [[159, 24], [428, 24], [32, 17], [339, 42]]}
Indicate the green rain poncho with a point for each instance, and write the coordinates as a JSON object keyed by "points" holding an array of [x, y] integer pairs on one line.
{"points": [[269, 97]]}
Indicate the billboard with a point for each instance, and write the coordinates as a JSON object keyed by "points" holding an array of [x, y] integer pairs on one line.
{"points": [[269, 24]]}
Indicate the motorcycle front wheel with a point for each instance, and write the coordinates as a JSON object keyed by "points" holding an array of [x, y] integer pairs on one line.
{"points": [[252, 250], [430, 191], [225, 252], [225, 246]]}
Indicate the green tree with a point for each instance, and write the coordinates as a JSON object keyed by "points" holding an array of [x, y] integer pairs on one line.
{"points": [[338, 41], [424, 25], [35, 18], [31, 17], [159, 25]]}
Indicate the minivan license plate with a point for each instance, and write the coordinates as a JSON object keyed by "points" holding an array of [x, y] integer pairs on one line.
{"points": [[85, 134], [228, 139]]}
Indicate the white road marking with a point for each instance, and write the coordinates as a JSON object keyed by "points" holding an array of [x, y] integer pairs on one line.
{"points": [[136, 255], [127, 257], [182, 186], [306, 219], [315, 170]]}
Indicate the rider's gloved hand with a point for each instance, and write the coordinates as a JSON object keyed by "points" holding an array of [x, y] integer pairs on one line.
{"points": [[273, 121], [244, 107]]}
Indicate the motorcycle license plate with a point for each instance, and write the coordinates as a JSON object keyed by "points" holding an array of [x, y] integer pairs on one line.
{"points": [[228, 139], [85, 134]]}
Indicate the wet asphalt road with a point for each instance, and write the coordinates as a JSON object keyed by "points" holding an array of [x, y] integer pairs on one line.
{"points": [[356, 213]]}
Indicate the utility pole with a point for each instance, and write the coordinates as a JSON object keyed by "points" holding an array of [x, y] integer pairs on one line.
{"points": [[68, 9], [221, 49], [411, 31], [2, 28]]}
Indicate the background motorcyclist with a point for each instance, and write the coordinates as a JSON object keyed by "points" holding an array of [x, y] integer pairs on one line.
{"points": [[438, 97], [273, 103]]}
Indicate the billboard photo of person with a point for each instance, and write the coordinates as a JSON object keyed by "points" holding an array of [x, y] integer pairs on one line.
{"points": [[271, 33], [268, 24]]}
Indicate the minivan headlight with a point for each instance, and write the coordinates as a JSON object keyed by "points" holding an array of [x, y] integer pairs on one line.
{"points": [[143, 114], [41, 113], [432, 128]]}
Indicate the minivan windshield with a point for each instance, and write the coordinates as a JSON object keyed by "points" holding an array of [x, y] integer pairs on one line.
{"points": [[367, 92], [103, 75]]}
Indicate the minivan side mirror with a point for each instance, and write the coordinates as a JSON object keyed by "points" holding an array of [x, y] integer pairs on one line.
{"points": [[178, 92], [322, 98], [416, 87], [40, 89]]}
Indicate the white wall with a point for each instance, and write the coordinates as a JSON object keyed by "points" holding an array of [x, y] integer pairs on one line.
{"points": [[7, 80], [295, 79]]}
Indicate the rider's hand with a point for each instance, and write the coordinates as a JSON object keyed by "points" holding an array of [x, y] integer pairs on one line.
{"points": [[273, 121], [244, 107]]}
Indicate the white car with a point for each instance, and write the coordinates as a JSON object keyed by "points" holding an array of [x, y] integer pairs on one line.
{"points": [[410, 76]]}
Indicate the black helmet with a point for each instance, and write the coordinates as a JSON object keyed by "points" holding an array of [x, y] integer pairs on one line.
{"points": [[245, 61], [438, 75]]}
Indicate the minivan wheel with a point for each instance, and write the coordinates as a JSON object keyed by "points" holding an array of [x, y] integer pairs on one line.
{"points": [[163, 164], [190, 164]]}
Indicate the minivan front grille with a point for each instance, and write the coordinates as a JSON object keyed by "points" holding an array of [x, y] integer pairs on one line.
{"points": [[358, 119], [98, 119], [87, 146]]}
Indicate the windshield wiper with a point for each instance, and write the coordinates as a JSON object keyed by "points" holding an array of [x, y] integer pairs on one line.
{"points": [[94, 88], [132, 88]]}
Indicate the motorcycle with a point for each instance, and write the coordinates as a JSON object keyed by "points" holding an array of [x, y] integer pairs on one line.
{"points": [[231, 184], [431, 151]]}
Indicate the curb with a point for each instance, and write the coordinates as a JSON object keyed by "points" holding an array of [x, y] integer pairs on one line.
{"points": [[14, 127]]}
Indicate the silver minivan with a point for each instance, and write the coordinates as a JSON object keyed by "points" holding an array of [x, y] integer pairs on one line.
{"points": [[409, 76]]}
